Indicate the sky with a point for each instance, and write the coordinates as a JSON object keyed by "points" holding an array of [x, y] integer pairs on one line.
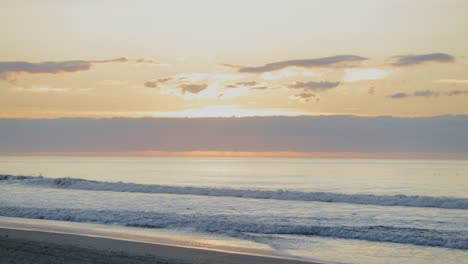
{"points": [[233, 58], [74, 63]]}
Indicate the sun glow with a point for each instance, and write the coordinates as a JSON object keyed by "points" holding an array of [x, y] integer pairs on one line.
{"points": [[226, 111]]}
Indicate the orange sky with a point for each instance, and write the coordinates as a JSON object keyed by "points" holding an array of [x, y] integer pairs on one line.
{"points": [[236, 58], [175, 59]]}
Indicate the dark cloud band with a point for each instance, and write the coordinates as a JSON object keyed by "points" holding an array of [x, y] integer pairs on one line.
{"points": [[313, 133], [44, 67], [409, 60], [333, 61], [52, 67]]}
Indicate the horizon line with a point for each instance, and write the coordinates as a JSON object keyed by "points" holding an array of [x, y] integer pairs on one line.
{"points": [[230, 117], [253, 154]]}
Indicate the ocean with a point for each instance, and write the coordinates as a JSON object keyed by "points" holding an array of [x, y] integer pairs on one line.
{"points": [[330, 210]]}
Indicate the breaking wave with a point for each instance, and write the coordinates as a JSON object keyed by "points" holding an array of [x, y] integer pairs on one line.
{"points": [[370, 199], [243, 227]]}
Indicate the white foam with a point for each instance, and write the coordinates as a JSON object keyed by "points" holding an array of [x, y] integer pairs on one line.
{"points": [[246, 227]]}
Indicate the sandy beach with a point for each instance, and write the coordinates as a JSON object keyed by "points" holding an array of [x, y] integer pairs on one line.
{"points": [[24, 246]]}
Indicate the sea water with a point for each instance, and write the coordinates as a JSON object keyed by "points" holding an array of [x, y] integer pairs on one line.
{"points": [[340, 211]]}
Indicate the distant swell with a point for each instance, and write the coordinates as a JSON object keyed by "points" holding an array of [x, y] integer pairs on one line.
{"points": [[241, 226], [383, 200]]}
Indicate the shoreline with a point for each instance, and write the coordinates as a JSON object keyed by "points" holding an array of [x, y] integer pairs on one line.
{"points": [[27, 246]]}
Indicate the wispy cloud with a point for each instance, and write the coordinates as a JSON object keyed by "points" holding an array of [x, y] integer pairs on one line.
{"points": [[248, 83], [315, 86], [398, 95], [196, 77], [123, 59], [428, 94], [242, 84], [228, 65], [251, 84], [259, 88], [410, 60], [198, 85], [146, 61], [304, 97], [334, 61], [457, 92]]}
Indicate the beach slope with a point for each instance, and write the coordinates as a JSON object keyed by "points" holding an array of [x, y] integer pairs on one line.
{"points": [[24, 246]]}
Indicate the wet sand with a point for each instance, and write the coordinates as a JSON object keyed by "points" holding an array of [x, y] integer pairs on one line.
{"points": [[23, 246]]}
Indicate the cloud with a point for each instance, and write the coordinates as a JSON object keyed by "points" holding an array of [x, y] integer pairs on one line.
{"points": [[457, 92], [123, 59], [151, 84], [231, 65], [399, 95], [8, 68], [192, 88], [156, 83], [248, 83], [426, 93], [196, 77], [43, 67], [334, 61], [146, 61], [305, 97], [409, 60], [202, 85], [242, 84], [315, 86], [259, 88]]}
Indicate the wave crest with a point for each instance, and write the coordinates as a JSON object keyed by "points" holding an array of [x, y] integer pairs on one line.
{"points": [[370, 199]]}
